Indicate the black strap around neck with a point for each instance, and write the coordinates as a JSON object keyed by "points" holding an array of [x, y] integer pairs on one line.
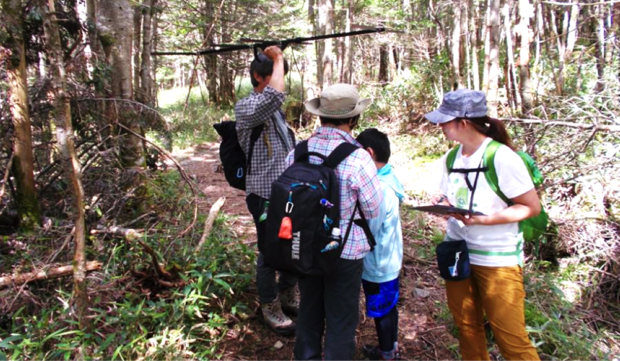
{"points": [[466, 171]]}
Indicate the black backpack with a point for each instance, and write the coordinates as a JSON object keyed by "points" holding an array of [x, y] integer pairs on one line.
{"points": [[236, 165], [304, 209]]}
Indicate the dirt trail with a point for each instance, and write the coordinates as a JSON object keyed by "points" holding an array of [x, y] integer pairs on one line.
{"points": [[422, 335]]}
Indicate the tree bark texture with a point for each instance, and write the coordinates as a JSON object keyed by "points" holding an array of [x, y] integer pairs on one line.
{"points": [[11, 27], [227, 86], [70, 162], [599, 20], [526, 12], [326, 13], [511, 78], [384, 63], [492, 83], [210, 61], [347, 56], [455, 43], [146, 80], [55, 272], [116, 33], [137, 36], [474, 39]]}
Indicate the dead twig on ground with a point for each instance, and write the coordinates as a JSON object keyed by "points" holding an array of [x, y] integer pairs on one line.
{"points": [[215, 208]]}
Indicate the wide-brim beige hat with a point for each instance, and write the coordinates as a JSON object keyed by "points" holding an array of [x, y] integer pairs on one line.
{"points": [[338, 101]]}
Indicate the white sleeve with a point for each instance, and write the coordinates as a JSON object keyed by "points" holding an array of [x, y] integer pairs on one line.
{"points": [[513, 177]]}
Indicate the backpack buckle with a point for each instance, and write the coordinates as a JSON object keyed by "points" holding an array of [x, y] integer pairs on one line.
{"points": [[289, 207]]}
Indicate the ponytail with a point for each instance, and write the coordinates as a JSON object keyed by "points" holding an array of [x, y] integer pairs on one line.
{"points": [[492, 128]]}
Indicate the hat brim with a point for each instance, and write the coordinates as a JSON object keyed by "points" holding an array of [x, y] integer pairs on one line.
{"points": [[313, 106], [438, 117]]}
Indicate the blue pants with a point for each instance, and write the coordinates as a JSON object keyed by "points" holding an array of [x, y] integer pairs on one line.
{"points": [[330, 306], [265, 275]]}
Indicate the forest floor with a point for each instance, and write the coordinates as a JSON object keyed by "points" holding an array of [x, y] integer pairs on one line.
{"points": [[423, 317]]}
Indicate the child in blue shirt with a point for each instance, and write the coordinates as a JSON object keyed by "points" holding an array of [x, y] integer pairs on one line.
{"points": [[382, 267]]}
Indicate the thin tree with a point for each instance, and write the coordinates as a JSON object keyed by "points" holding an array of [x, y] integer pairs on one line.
{"points": [[146, 83], [325, 56], [70, 162], [526, 12], [11, 30], [492, 56]]}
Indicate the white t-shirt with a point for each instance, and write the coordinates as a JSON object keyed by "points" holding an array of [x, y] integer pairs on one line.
{"points": [[514, 180]]}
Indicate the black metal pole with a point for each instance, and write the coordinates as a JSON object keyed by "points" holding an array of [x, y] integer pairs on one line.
{"points": [[224, 48]]}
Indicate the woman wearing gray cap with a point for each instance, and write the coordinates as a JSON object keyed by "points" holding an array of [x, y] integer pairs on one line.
{"points": [[495, 246]]}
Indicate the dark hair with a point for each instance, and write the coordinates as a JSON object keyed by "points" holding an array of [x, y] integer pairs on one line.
{"points": [[491, 127], [378, 141], [263, 66], [334, 121]]}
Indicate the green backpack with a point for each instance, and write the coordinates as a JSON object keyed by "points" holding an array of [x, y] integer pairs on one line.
{"points": [[531, 229]]}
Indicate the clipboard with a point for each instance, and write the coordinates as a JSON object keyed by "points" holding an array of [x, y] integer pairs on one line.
{"points": [[439, 209]]}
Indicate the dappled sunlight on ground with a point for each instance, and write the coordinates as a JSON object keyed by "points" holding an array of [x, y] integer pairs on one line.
{"points": [[422, 335]]}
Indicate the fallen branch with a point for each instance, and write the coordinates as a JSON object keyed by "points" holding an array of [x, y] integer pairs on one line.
{"points": [[45, 275], [550, 123], [215, 208], [127, 233]]}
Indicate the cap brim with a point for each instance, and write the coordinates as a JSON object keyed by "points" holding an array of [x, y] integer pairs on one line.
{"points": [[438, 117], [313, 106]]}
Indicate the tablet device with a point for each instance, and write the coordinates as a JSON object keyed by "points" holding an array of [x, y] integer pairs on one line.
{"points": [[439, 209]]}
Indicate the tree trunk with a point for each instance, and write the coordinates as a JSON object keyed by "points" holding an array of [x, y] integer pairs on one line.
{"points": [[552, 25], [511, 78], [612, 26], [494, 31], [210, 60], [525, 13], [11, 22], [71, 164], [325, 47], [137, 35], [473, 30], [456, 45], [487, 48], [383, 63], [571, 36], [227, 87], [117, 20], [146, 84], [155, 39], [347, 53], [600, 47]]}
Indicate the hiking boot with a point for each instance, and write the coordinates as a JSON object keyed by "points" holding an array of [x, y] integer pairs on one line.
{"points": [[289, 299], [278, 321], [375, 353]]}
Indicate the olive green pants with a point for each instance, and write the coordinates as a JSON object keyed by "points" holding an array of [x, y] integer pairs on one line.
{"points": [[498, 292]]}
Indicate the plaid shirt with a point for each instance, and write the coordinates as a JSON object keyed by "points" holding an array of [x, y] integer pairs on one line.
{"points": [[267, 161], [357, 175]]}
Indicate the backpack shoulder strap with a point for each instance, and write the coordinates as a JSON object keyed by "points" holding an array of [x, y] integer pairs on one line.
{"points": [[488, 160], [360, 223], [340, 153], [256, 132], [451, 158], [303, 155]]}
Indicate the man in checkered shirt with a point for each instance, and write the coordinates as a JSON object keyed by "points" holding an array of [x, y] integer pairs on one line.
{"points": [[330, 304], [262, 108]]}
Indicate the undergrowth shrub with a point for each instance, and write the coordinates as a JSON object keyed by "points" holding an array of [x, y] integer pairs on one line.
{"points": [[133, 315]]}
